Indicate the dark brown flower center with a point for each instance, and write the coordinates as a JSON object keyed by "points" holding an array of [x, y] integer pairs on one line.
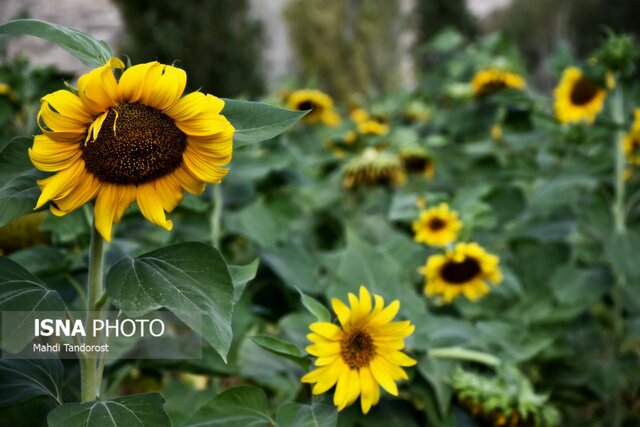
{"points": [[493, 87], [306, 105], [460, 272], [145, 144], [357, 348], [436, 224], [583, 92], [416, 163]]}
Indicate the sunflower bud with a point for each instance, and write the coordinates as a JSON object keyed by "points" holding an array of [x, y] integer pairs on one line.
{"points": [[618, 53]]}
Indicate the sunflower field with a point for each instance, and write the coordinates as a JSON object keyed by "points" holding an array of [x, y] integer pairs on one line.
{"points": [[462, 254]]}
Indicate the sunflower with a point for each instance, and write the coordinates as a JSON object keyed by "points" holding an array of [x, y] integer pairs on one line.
{"points": [[417, 160], [465, 269], [361, 354], [577, 98], [374, 168], [632, 140], [437, 226], [492, 80], [320, 104], [135, 139]]}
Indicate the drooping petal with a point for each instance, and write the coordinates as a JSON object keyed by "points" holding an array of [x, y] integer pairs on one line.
{"points": [[133, 80], [60, 184], [51, 156], [98, 89], [150, 205], [86, 190], [163, 87]]}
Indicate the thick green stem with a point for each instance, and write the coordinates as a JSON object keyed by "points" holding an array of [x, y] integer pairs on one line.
{"points": [[90, 386], [460, 353], [216, 215], [620, 162]]}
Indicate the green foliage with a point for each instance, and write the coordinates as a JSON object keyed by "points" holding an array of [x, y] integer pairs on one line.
{"points": [[215, 40], [144, 410], [89, 51], [190, 279], [347, 47], [23, 380]]}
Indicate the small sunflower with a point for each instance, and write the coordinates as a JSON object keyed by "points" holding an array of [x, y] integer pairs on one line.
{"points": [[465, 269], [362, 354], [492, 80], [437, 226], [496, 132], [417, 160], [631, 144], [135, 139], [577, 98], [374, 168], [320, 104], [375, 125]]}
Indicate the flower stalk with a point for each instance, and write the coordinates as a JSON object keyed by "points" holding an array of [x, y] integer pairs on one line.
{"points": [[620, 161], [216, 216], [460, 353], [90, 385]]}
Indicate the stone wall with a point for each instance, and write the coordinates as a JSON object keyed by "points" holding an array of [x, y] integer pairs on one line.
{"points": [[100, 18]]}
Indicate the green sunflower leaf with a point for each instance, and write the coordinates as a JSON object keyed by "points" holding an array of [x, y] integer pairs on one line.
{"points": [[24, 293], [86, 49], [293, 414], [238, 407], [241, 275], [190, 279], [255, 121], [282, 348], [23, 380], [140, 410], [18, 189], [315, 307]]}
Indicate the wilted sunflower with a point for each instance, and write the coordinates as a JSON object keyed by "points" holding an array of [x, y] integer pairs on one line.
{"points": [[417, 160], [374, 168], [465, 269], [135, 139], [437, 226], [361, 354], [320, 104], [577, 98], [492, 80]]}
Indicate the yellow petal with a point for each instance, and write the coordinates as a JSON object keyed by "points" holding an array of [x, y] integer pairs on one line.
{"points": [[341, 395], [326, 329], [328, 378], [150, 205], [67, 104], [383, 376], [201, 169], [398, 358], [189, 182], [324, 349], [50, 156], [98, 89], [169, 191], [133, 81], [367, 386], [164, 86], [341, 310], [60, 184], [386, 314], [87, 188]]}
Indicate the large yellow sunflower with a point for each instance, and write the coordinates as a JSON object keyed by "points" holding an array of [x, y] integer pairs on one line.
{"points": [[491, 80], [132, 139], [437, 226], [360, 355], [320, 104], [577, 98], [465, 269]]}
